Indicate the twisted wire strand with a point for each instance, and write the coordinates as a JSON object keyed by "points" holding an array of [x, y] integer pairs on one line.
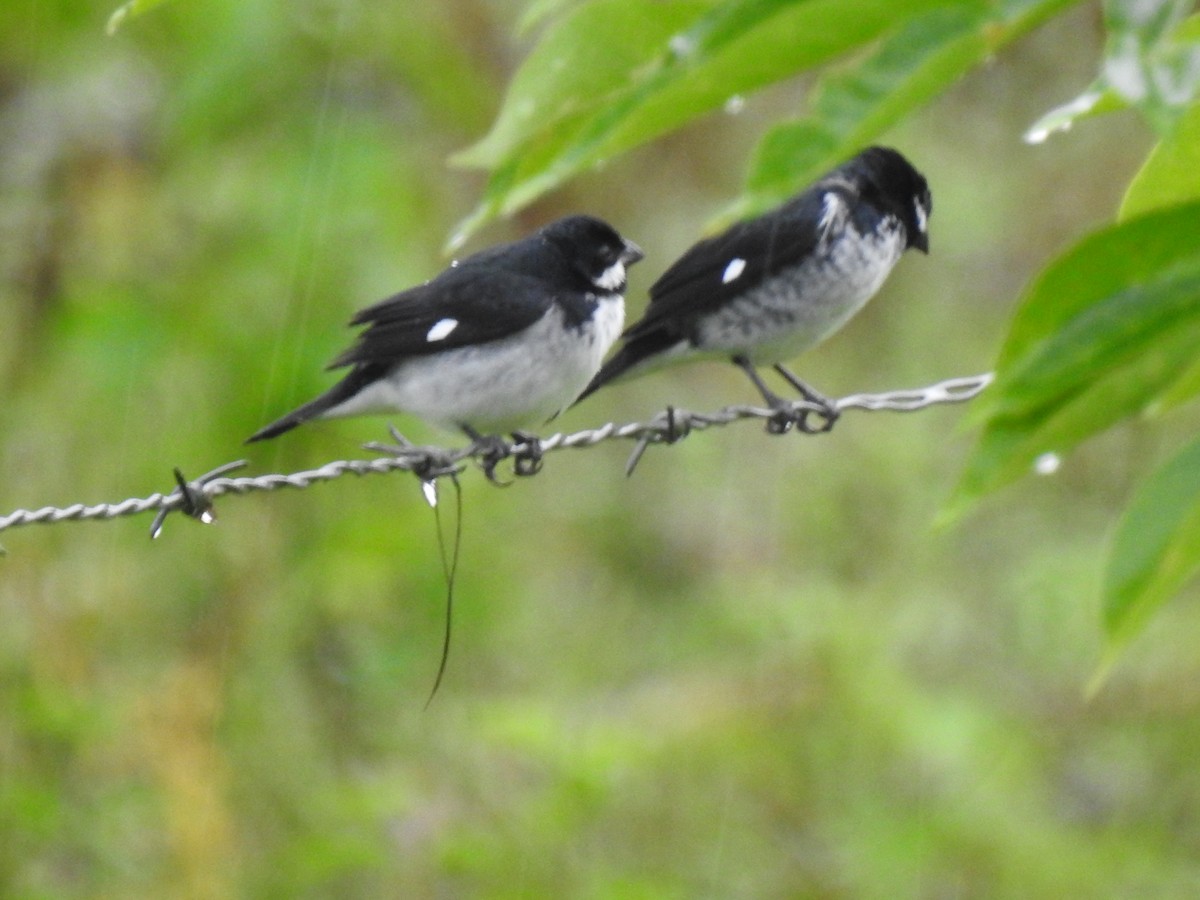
{"points": [[194, 498]]}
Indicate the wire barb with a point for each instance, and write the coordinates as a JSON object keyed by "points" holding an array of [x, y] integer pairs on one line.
{"points": [[676, 425], [192, 500], [195, 498]]}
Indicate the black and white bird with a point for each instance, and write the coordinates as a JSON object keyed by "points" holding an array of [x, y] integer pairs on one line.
{"points": [[770, 288], [504, 339]]}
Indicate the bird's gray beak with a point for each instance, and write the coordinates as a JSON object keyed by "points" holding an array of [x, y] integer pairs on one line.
{"points": [[632, 253], [921, 242]]}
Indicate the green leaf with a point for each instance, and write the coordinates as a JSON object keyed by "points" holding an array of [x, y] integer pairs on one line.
{"points": [[1156, 549], [1011, 447], [1147, 62], [854, 104], [1101, 264], [671, 62], [540, 11], [581, 64], [129, 10], [1106, 330], [1151, 62], [1171, 174], [1097, 100], [1184, 388], [1105, 334]]}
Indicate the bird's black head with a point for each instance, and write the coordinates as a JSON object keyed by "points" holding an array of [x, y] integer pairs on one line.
{"points": [[594, 249], [887, 179]]}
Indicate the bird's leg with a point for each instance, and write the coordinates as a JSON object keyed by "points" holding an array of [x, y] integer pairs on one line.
{"points": [[784, 417], [529, 460], [828, 409], [490, 449]]}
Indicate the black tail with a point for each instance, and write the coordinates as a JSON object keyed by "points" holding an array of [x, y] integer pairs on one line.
{"points": [[336, 395], [636, 351]]}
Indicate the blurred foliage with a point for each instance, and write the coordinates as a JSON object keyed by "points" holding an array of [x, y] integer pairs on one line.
{"points": [[127, 10], [1095, 341], [752, 670], [611, 74], [1151, 63], [1107, 331]]}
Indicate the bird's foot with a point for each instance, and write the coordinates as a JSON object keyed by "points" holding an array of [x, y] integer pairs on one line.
{"points": [[786, 414], [492, 449], [527, 453], [815, 404], [489, 451], [807, 416]]}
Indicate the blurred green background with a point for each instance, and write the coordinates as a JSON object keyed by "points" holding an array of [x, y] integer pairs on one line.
{"points": [[753, 670]]}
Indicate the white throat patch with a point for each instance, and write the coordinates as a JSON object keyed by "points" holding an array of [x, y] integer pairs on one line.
{"points": [[612, 278]]}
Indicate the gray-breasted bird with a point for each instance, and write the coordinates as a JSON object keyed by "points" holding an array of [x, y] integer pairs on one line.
{"points": [[770, 288], [506, 338]]}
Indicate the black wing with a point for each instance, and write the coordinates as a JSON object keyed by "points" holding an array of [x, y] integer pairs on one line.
{"points": [[716, 270], [462, 306]]}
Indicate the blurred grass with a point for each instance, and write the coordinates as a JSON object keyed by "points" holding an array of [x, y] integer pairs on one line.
{"points": [[752, 670]]}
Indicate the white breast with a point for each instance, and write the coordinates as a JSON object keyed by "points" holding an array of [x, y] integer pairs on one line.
{"points": [[799, 308], [517, 382]]}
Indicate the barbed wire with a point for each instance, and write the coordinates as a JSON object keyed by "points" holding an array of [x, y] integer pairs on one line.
{"points": [[195, 497]]}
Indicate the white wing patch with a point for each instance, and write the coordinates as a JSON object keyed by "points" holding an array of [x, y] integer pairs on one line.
{"points": [[833, 209], [441, 330], [736, 267]]}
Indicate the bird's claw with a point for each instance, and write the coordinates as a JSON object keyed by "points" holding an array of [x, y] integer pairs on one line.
{"points": [[786, 415], [827, 415], [528, 459], [781, 421], [490, 450]]}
